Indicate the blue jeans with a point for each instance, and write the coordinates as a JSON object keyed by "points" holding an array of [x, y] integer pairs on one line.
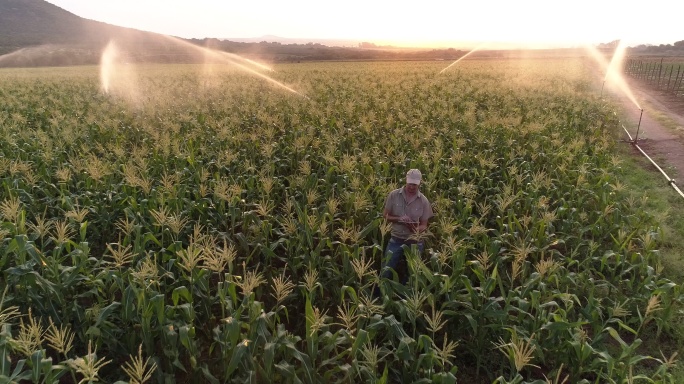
{"points": [[394, 254]]}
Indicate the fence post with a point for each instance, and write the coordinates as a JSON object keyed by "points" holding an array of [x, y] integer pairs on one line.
{"points": [[669, 79], [660, 72], [644, 71]]}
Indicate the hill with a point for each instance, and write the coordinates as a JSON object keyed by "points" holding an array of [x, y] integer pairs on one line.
{"points": [[33, 22], [37, 33]]}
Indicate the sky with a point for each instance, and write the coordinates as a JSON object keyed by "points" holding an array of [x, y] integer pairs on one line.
{"points": [[437, 23]]}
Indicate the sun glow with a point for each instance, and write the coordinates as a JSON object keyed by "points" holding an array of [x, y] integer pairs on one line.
{"points": [[434, 23]]}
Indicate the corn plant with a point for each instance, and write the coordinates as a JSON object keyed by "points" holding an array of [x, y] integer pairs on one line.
{"points": [[235, 233]]}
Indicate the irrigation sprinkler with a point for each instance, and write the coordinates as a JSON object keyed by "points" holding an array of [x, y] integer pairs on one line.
{"points": [[636, 137], [603, 85]]}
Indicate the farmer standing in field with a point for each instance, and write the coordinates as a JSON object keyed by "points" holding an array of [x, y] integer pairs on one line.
{"points": [[408, 210]]}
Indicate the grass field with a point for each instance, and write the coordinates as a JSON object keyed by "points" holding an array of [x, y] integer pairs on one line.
{"points": [[209, 224]]}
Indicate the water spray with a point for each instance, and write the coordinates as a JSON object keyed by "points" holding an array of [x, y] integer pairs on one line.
{"points": [[613, 76], [636, 137], [231, 58], [463, 57]]}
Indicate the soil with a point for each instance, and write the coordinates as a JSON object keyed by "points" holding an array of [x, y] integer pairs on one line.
{"points": [[663, 143]]}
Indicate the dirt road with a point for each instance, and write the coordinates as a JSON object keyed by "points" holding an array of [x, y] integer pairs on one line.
{"points": [[661, 132]]}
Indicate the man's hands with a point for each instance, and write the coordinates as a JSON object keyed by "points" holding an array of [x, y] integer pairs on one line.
{"points": [[414, 226], [406, 220]]}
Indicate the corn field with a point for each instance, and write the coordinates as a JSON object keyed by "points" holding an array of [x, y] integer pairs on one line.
{"points": [[206, 225]]}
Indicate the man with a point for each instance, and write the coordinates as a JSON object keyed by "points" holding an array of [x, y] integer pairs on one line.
{"points": [[408, 211]]}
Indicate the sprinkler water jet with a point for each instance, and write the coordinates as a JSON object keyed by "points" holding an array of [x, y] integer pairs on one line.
{"points": [[463, 57]]}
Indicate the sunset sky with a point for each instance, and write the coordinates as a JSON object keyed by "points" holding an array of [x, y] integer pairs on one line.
{"points": [[426, 23]]}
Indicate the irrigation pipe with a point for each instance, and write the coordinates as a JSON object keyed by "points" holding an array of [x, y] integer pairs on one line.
{"points": [[669, 179]]}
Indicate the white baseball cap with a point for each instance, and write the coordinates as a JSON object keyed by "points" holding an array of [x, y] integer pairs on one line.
{"points": [[413, 176]]}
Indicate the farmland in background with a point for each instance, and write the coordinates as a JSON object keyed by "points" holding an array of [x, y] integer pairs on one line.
{"points": [[203, 224], [661, 74]]}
